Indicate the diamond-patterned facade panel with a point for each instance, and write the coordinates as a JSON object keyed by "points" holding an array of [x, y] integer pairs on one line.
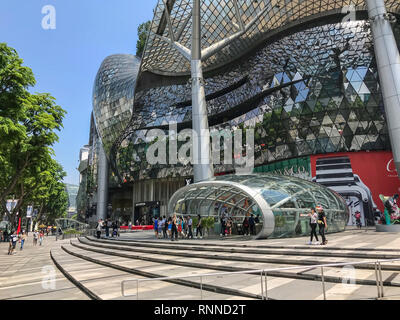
{"points": [[220, 19], [296, 107], [113, 96]]}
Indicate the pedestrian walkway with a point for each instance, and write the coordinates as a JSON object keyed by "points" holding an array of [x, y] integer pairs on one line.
{"points": [[353, 238], [31, 274], [97, 268]]}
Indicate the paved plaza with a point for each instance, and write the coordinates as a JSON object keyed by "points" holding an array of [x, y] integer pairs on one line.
{"points": [[24, 275], [96, 268]]}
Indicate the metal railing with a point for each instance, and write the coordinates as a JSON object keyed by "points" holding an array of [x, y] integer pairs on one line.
{"points": [[264, 277], [85, 233]]}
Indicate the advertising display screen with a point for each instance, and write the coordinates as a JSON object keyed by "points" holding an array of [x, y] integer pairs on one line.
{"points": [[359, 177]]}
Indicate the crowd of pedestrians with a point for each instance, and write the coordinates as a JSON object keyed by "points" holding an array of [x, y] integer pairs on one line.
{"points": [[182, 227], [176, 227], [110, 227], [14, 238]]}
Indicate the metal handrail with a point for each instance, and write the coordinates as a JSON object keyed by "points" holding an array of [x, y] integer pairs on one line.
{"points": [[264, 273]]}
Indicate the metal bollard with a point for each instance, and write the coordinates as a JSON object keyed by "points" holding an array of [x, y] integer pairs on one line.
{"points": [[323, 282], [266, 288], [381, 280], [137, 289], [201, 288], [377, 280], [262, 287]]}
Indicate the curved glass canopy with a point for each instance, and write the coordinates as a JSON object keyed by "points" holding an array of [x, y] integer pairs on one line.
{"points": [[276, 203], [221, 19]]}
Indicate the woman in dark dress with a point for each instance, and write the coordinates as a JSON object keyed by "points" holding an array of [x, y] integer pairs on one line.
{"points": [[323, 226]]}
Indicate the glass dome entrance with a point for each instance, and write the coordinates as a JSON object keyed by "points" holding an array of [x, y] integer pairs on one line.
{"points": [[272, 204]]}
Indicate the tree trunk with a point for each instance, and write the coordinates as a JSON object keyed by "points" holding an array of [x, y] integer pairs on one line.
{"points": [[39, 216], [9, 189]]}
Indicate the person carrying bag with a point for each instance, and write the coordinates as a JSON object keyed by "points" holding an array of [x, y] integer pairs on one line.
{"points": [[323, 226]]}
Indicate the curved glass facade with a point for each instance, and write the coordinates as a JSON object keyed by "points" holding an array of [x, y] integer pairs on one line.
{"points": [[277, 201], [301, 77], [312, 92], [113, 96]]}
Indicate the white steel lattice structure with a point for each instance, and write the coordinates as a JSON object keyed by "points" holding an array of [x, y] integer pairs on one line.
{"points": [[241, 24]]}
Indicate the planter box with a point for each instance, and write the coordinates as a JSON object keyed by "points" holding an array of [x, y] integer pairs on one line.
{"points": [[388, 228]]}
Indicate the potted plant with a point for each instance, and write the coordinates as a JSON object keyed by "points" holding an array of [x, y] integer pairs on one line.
{"points": [[207, 224], [195, 220], [280, 221]]}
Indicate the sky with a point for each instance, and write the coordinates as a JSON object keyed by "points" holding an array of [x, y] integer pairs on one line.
{"points": [[65, 60]]}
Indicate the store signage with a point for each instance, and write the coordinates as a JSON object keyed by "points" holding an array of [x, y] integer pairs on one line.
{"points": [[147, 204]]}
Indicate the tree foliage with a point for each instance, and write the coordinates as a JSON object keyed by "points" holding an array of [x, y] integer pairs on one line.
{"points": [[143, 31], [28, 125]]}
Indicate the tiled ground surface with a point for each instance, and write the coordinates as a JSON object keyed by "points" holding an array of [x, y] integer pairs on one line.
{"points": [[26, 274]]}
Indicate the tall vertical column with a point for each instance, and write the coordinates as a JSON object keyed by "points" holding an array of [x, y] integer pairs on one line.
{"points": [[102, 184], [388, 61], [202, 164]]}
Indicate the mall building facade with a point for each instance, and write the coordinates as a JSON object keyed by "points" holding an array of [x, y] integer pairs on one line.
{"points": [[303, 75]]}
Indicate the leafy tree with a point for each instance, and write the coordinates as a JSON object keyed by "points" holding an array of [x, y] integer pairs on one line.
{"points": [[14, 81], [27, 133], [143, 31]]}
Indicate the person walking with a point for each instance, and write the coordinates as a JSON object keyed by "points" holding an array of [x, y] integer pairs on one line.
{"points": [[223, 225], [107, 226], [185, 227], [252, 225], [23, 239], [246, 226], [164, 226], [189, 225], [99, 227], [159, 229], [323, 226], [13, 243], [155, 226], [313, 224], [170, 227], [228, 227], [35, 238], [174, 228], [41, 236], [199, 228], [179, 221], [358, 219]]}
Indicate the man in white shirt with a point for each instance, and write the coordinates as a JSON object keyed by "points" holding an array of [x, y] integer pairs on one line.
{"points": [[98, 228], [190, 222], [164, 227]]}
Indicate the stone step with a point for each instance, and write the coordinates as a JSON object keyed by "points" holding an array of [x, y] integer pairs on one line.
{"points": [[280, 286], [189, 288], [97, 282], [331, 275], [254, 250], [251, 244], [229, 256]]}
